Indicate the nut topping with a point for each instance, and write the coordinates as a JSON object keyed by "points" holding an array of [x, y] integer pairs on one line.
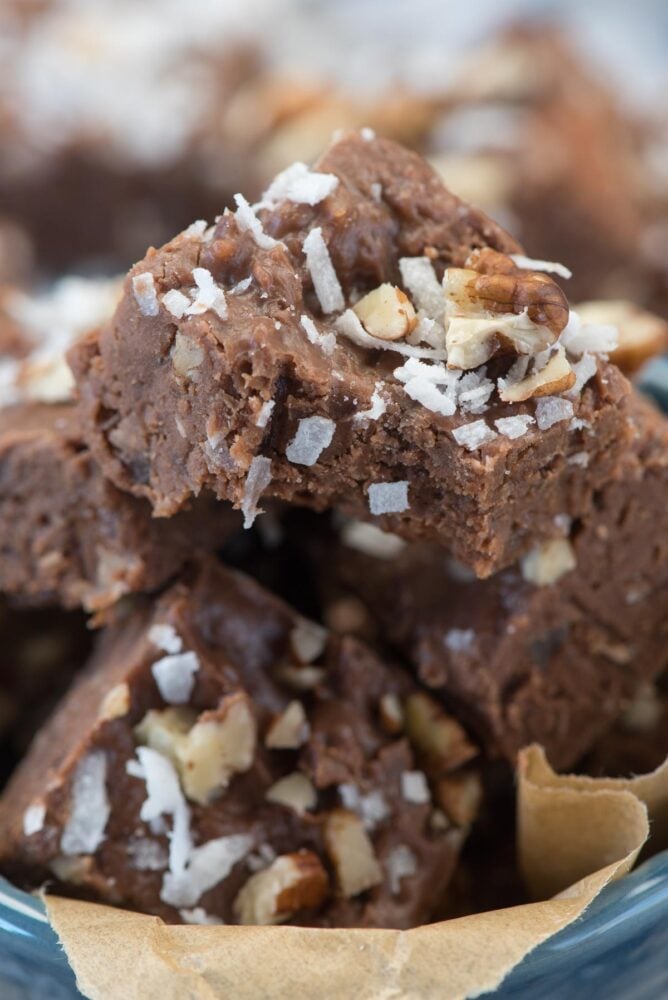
{"points": [[352, 853], [206, 751], [295, 791], [288, 730], [548, 562], [495, 307], [386, 313], [435, 734], [292, 882], [460, 796], [557, 376]]}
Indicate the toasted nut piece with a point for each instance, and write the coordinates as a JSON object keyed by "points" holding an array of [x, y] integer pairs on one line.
{"points": [[548, 562], [292, 882], [352, 853], [557, 376], [495, 307], [288, 730], [386, 313], [460, 796], [642, 334], [391, 714], [435, 734], [300, 678], [295, 791], [308, 640], [186, 356], [206, 751], [115, 703]]}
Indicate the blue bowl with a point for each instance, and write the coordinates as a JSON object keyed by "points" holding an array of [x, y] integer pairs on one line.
{"points": [[618, 949]]}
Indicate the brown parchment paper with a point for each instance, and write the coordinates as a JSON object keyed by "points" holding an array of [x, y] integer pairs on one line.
{"points": [[576, 835]]}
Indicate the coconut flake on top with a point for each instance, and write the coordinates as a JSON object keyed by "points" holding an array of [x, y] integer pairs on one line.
{"points": [[371, 540], [349, 325], [327, 341], [257, 480], [248, 221], [143, 287], [174, 676], [209, 295], [89, 806], [325, 281], [165, 637], [548, 266], [377, 408], [207, 865], [552, 410], [419, 277], [474, 435], [164, 798], [301, 185], [314, 434], [388, 498]]}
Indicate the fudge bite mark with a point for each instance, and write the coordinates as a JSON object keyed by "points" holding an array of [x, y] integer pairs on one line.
{"points": [[256, 796], [329, 347]]}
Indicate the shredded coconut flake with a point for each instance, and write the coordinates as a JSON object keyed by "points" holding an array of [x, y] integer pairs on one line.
{"points": [[327, 341], [198, 915], [596, 338], [207, 866], [580, 458], [209, 295], [265, 412], [551, 267], [584, 369], [308, 640], [165, 637], [147, 855], [401, 863], [196, 230], [257, 480], [372, 808], [377, 408], [164, 798], [367, 134], [323, 275], [414, 787], [241, 286], [474, 435], [314, 434], [371, 540], [376, 191], [515, 426], [175, 677], [176, 303], [143, 286], [33, 818], [89, 806], [350, 326], [419, 277], [459, 640], [299, 184], [388, 498], [248, 221], [552, 410]]}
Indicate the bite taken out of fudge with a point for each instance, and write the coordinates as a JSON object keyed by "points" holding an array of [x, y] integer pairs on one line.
{"points": [[550, 651], [224, 759], [361, 340]]}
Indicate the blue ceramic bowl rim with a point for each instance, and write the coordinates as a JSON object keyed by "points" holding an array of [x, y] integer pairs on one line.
{"points": [[633, 906]]}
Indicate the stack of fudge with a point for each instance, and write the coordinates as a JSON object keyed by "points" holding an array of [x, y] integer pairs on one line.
{"points": [[368, 374]]}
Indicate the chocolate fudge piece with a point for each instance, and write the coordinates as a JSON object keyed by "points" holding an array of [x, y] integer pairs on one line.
{"points": [[638, 742], [550, 651], [281, 357], [224, 759], [69, 537]]}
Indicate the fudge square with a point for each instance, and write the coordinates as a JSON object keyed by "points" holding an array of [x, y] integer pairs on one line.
{"points": [[361, 340], [69, 537], [552, 650], [224, 759]]}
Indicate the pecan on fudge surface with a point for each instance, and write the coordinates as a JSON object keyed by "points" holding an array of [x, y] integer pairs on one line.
{"points": [[69, 537], [365, 341], [552, 650], [223, 758]]}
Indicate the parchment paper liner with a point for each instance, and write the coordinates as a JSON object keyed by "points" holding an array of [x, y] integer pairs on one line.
{"points": [[576, 834]]}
